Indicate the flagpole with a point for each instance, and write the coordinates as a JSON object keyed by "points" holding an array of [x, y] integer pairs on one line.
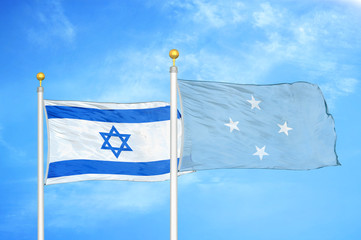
{"points": [[40, 76], [173, 148]]}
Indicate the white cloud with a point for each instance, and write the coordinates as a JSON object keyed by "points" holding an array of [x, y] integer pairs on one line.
{"points": [[352, 2], [209, 66], [215, 14], [306, 41], [347, 85], [53, 24], [340, 87], [139, 77], [311, 42], [304, 34], [268, 16]]}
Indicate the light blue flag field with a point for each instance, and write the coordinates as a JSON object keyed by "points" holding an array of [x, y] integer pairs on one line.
{"points": [[281, 126], [108, 141]]}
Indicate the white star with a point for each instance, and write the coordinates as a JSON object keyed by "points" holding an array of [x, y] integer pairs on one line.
{"points": [[254, 103], [232, 125], [284, 128], [260, 152]]}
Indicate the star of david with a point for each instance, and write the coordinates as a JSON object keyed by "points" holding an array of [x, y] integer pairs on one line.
{"points": [[114, 133]]}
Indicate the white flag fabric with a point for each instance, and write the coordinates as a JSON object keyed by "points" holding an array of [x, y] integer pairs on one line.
{"points": [[108, 141]]}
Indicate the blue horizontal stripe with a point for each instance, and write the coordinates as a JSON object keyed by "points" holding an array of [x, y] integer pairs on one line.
{"points": [[82, 166], [111, 115]]}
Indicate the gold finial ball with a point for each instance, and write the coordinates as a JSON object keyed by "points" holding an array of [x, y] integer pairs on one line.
{"points": [[40, 76], [173, 53]]}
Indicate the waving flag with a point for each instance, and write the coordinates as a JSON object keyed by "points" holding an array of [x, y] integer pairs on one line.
{"points": [[108, 141], [284, 126]]}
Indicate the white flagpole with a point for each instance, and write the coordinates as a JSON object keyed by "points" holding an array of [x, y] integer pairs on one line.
{"points": [[40, 76], [173, 149]]}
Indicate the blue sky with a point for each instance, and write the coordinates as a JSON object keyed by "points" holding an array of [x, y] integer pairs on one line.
{"points": [[117, 51]]}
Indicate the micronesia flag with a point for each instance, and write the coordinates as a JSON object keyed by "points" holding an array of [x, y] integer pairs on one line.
{"points": [[108, 141], [282, 126]]}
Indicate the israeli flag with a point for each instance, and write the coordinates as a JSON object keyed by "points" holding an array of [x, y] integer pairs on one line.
{"points": [[279, 126], [108, 141]]}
